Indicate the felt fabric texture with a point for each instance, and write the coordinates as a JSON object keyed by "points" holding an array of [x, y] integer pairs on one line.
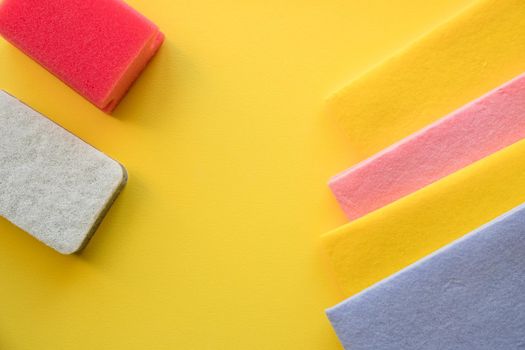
{"points": [[472, 53], [52, 184], [468, 295], [476, 130], [97, 47], [370, 249]]}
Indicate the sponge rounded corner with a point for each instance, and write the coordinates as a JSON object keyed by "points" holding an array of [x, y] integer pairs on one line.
{"points": [[78, 246]]}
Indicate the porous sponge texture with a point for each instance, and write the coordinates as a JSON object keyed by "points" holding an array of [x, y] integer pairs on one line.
{"points": [[480, 128], [89, 44], [53, 185]]}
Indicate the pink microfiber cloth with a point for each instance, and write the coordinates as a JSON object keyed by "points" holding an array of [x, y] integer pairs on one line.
{"points": [[98, 47], [469, 134]]}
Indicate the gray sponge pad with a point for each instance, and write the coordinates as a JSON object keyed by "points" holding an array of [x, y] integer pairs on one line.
{"points": [[52, 184], [469, 295]]}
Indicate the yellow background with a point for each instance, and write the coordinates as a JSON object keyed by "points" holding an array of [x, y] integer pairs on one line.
{"points": [[214, 243]]}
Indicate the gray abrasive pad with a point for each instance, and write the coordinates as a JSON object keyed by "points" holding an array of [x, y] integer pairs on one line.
{"points": [[52, 184], [467, 296]]}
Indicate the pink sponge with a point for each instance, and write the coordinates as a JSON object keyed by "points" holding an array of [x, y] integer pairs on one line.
{"points": [[98, 47], [480, 128]]}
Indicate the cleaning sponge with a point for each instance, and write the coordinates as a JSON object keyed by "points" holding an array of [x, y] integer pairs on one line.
{"points": [[52, 184], [97, 47], [469, 295], [482, 127]]}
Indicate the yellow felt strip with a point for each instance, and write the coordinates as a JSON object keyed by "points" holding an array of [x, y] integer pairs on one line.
{"points": [[473, 53]]}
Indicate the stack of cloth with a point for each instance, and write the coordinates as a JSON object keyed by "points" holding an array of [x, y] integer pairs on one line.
{"points": [[439, 128]]}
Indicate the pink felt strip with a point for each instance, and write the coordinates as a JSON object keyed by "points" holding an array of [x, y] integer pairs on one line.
{"points": [[469, 134]]}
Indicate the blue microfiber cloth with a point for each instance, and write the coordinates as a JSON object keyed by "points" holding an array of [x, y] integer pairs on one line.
{"points": [[468, 295]]}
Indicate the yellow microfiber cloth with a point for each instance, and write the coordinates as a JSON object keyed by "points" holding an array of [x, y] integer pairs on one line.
{"points": [[475, 52]]}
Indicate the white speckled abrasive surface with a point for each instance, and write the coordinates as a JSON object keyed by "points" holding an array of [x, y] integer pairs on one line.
{"points": [[52, 184]]}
